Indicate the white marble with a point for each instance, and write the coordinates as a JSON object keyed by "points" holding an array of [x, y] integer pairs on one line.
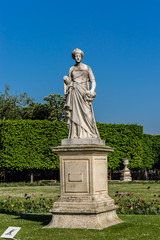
{"points": [[79, 90], [84, 200]]}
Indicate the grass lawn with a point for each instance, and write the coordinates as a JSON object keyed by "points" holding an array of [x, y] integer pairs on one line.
{"points": [[47, 191], [145, 189], [134, 227]]}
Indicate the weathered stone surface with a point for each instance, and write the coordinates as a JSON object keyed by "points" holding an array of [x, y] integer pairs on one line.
{"points": [[84, 201], [126, 173], [89, 221], [79, 90], [82, 149], [85, 141]]}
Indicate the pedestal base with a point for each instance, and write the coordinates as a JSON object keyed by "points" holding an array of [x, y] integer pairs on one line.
{"points": [[126, 175], [84, 201], [89, 221]]}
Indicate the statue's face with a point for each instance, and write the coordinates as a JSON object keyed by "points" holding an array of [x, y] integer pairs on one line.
{"points": [[78, 57]]}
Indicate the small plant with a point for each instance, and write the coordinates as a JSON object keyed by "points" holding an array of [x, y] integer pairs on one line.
{"points": [[130, 204]]}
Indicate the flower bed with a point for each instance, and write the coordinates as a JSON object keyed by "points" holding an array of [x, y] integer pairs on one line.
{"points": [[127, 204], [134, 204], [28, 204]]}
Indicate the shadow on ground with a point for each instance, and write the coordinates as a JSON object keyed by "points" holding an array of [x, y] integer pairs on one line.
{"points": [[44, 218]]}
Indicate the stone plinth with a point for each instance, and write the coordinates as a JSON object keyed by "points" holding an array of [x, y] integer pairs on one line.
{"points": [[126, 175], [84, 201], [85, 141]]}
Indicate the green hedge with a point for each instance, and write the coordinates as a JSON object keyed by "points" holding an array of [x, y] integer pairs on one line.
{"points": [[151, 151], [156, 150], [148, 152], [26, 144], [127, 141]]}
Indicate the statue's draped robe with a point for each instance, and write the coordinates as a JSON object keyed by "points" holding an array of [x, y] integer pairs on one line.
{"points": [[81, 121]]}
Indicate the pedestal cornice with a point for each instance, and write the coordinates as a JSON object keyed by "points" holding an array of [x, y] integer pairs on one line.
{"points": [[82, 148]]}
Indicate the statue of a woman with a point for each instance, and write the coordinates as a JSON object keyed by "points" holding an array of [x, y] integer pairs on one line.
{"points": [[79, 96]]}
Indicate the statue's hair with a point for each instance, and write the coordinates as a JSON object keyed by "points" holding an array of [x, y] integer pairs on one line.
{"points": [[75, 51]]}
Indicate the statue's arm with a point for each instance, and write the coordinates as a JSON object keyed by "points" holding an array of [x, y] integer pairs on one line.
{"points": [[69, 74], [67, 82], [92, 80]]}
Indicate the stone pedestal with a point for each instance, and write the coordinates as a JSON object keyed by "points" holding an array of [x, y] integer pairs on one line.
{"points": [[126, 173], [84, 201]]}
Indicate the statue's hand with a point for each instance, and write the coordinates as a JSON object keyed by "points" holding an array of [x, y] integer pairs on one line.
{"points": [[66, 80], [89, 96], [91, 92]]}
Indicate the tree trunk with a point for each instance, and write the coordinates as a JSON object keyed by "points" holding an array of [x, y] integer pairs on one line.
{"points": [[146, 174], [31, 177]]}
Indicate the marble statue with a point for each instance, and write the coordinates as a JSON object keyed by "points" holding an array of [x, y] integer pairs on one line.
{"points": [[79, 90], [84, 200]]}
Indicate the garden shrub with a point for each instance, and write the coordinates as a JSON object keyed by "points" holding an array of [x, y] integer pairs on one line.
{"points": [[127, 141], [26, 144], [156, 151], [151, 151]]}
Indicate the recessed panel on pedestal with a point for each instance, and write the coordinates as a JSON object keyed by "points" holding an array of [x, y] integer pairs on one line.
{"points": [[76, 176], [100, 174]]}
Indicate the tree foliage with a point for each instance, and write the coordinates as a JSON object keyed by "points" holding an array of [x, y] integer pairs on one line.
{"points": [[52, 109], [126, 139], [15, 107], [148, 153], [11, 105], [151, 151], [26, 144], [156, 151]]}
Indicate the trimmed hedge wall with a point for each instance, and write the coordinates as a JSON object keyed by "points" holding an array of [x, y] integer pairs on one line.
{"points": [[127, 141], [25, 144], [151, 151]]}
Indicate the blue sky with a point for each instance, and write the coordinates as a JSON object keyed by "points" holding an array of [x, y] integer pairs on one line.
{"points": [[120, 40]]}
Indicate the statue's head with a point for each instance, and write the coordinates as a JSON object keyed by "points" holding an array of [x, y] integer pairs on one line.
{"points": [[77, 55]]}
